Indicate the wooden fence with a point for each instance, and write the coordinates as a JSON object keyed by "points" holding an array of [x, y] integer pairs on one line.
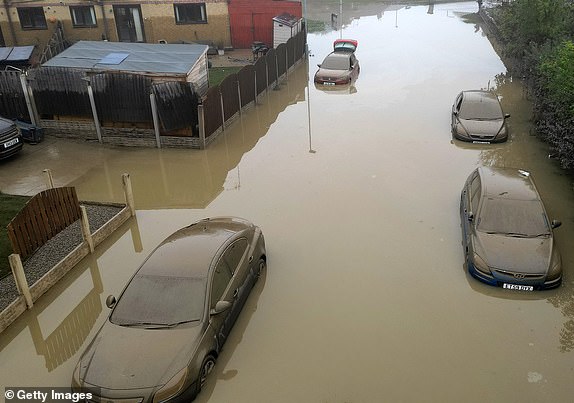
{"points": [[46, 214], [129, 109]]}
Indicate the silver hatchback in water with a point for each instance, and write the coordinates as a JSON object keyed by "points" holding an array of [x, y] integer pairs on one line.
{"points": [[167, 328]]}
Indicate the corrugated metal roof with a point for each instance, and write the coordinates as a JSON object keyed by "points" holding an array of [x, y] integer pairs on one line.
{"points": [[16, 53], [143, 57]]}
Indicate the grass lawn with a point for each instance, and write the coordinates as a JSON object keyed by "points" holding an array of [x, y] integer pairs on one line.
{"points": [[9, 207], [217, 74]]}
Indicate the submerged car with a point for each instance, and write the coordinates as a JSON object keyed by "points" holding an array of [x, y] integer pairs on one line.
{"points": [[168, 326], [506, 234], [11, 141], [477, 116], [340, 66]]}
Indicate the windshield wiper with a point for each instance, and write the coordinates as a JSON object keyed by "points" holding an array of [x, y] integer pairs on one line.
{"points": [[518, 235]]}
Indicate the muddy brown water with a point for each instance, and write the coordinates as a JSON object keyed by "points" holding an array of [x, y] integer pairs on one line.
{"points": [[366, 298]]}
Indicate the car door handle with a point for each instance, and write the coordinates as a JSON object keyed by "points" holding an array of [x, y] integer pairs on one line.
{"points": [[235, 293]]}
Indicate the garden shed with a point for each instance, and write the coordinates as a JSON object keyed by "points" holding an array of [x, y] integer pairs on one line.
{"points": [[160, 62], [285, 26]]}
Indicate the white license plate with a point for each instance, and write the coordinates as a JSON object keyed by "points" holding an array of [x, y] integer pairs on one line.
{"points": [[11, 142], [480, 142], [328, 83], [518, 287]]}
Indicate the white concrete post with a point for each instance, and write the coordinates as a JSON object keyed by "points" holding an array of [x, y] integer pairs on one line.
{"points": [[86, 233], [49, 178], [127, 183], [24, 84], [201, 125], [95, 113], [20, 278], [222, 111], [155, 119], [239, 96]]}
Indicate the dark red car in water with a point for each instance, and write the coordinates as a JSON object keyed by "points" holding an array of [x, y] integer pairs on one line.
{"points": [[340, 66]]}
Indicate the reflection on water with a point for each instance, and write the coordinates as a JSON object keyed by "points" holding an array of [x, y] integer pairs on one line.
{"points": [[169, 178], [69, 335]]}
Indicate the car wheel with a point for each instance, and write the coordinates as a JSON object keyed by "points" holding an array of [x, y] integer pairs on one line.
{"points": [[261, 266], [206, 368]]}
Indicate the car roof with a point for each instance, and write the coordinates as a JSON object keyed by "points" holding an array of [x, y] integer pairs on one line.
{"points": [[507, 183], [479, 96], [338, 55], [189, 251]]}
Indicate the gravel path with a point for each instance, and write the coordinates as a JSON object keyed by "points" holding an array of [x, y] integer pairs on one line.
{"points": [[55, 250]]}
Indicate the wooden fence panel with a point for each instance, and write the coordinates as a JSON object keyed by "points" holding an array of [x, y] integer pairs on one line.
{"points": [[212, 111], [122, 97], [281, 52], [271, 58], [246, 78], [176, 105], [46, 214], [261, 74], [12, 100], [60, 91], [230, 94]]}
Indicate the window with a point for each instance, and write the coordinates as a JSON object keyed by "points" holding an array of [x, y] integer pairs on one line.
{"points": [[234, 254], [221, 278], [32, 18], [190, 13], [83, 16]]}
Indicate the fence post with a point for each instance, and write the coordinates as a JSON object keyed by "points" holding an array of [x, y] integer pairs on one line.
{"points": [[155, 119], [24, 84], [239, 96], [87, 234], [20, 278], [201, 124], [95, 112], [255, 75], [127, 183], [49, 178], [222, 110]]}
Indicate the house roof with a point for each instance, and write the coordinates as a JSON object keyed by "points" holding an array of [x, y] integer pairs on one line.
{"points": [[132, 57]]}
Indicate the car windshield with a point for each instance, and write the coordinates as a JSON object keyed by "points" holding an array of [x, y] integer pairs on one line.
{"points": [[336, 63], [480, 109], [160, 300], [523, 218]]}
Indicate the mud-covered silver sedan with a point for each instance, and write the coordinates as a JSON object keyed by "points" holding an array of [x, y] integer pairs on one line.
{"points": [[477, 116], [167, 328], [506, 234]]}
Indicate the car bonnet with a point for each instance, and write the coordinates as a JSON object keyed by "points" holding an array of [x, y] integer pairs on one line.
{"points": [[482, 127], [523, 255], [137, 358]]}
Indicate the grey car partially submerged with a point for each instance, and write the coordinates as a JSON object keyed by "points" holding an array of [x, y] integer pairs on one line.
{"points": [[506, 234], [477, 117], [168, 326]]}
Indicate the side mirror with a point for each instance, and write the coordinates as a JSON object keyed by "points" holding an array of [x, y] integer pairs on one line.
{"points": [[111, 301], [507, 115], [318, 65], [555, 223], [455, 112], [470, 216], [221, 306]]}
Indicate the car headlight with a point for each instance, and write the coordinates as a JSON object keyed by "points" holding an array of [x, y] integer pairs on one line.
{"points": [[460, 130], [555, 270], [172, 387], [501, 132], [480, 264]]}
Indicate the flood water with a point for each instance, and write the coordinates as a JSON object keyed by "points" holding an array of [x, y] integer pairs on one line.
{"points": [[365, 298]]}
